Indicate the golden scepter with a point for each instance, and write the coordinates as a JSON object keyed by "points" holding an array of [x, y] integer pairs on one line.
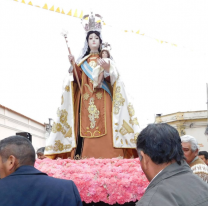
{"points": [[64, 34]]}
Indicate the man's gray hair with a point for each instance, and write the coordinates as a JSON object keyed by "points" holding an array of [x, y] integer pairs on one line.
{"points": [[191, 140], [41, 150]]}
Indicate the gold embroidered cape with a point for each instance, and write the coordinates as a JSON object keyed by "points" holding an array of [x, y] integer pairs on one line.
{"points": [[124, 124]]}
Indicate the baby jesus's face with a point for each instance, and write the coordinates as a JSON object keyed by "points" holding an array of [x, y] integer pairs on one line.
{"points": [[104, 54]]}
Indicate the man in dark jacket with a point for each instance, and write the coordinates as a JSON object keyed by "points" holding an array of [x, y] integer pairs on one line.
{"points": [[172, 182], [23, 185]]}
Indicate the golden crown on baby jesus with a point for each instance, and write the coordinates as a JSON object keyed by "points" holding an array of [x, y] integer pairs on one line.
{"points": [[92, 25]]}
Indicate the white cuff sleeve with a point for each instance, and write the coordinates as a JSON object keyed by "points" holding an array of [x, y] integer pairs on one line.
{"points": [[70, 69], [106, 74]]}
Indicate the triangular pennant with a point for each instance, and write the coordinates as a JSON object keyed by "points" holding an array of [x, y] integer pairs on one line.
{"points": [[15, 0], [45, 6], [37, 6], [104, 23], [23, 1], [62, 11], [58, 10], [70, 13], [98, 21], [125, 31], [75, 14], [137, 32], [52, 8], [81, 15], [161, 42], [86, 18], [30, 3]]}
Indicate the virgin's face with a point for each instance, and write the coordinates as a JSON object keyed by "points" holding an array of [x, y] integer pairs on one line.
{"points": [[93, 42]]}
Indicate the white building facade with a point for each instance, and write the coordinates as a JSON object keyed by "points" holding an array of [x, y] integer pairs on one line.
{"points": [[12, 122], [192, 123]]}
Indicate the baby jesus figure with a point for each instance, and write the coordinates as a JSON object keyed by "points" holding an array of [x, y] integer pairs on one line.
{"points": [[98, 71]]}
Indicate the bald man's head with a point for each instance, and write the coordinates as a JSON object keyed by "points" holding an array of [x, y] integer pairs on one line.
{"points": [[20, 147]]}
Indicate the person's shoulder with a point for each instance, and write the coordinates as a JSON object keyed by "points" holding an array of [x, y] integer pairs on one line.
{"points": [[198, 161], [49, 182], [158, 194], [179, 190], [57, 180], [148, 196], [159, 191]]}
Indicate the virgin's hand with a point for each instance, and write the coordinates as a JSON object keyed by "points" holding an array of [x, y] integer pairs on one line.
{"points": [[104, 64], [98, 86], [71, 58]]}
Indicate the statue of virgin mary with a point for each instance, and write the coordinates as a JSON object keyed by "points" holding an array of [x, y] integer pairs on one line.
{"points": [[94, 122]]}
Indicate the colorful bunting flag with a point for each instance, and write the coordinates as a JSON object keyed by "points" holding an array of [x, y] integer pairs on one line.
{"points": [[45, 6], [62, 11], [75, 14], [52, 8], [58, 10], [70, 13], [81, 15]]}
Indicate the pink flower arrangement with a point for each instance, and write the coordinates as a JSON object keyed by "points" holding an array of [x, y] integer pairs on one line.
{"points": [[107, 180]]}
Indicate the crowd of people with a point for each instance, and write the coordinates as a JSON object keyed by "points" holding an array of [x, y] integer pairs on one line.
{"points": [[173, 165]]}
